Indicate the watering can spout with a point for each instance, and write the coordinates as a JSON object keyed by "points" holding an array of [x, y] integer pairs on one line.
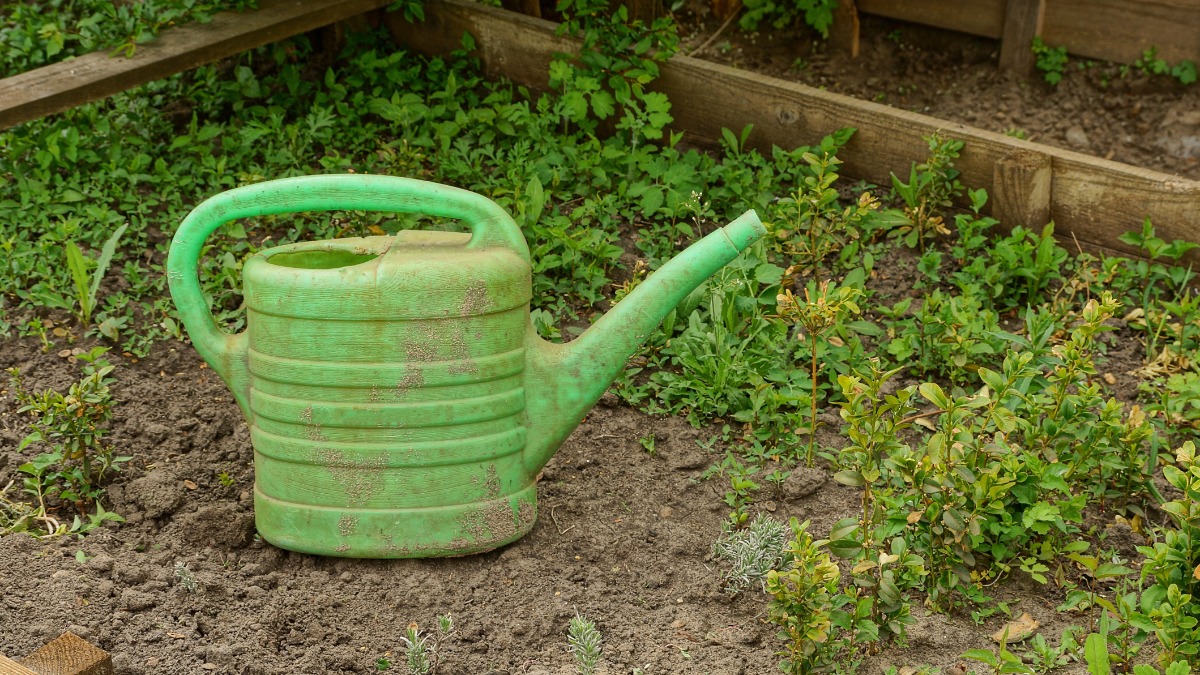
{"points": [[566, 380]]}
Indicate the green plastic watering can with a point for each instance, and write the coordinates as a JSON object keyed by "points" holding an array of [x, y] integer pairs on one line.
{"points": [[400, 402]]}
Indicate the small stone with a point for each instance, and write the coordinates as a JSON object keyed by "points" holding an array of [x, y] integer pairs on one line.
{"points": [[1110, 378], [666, 512], [1077, 137], [803, 481], [678, 623]]}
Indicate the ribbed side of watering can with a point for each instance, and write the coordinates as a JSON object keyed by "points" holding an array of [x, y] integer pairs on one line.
{"points": [[387, 398]]}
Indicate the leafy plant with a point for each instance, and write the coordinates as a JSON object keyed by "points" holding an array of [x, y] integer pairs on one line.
{"points": [[801, 603], [423, 651], [931, 188], [818, 14], [185, 578], [811, 224], [1172, 562], [74, 426], [85, 293], [1052, 61], [822, 309], [751, 552], [583, 640]]}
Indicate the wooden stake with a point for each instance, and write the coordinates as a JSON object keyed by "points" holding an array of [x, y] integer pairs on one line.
{"points": [[843, 34], [1022, 22]]}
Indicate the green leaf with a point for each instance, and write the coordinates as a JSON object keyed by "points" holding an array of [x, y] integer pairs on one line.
{"points": [[983, 655], [850, 477], [106, 254], [934, 394], [652, 201], [603, 104], [537, 200], [1095, 653], [845, 548], [79, 274]]}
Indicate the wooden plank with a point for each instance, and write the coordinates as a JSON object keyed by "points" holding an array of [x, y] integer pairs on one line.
{"points": [[977, 17], [843, 33], [1021, 189], [69, 654], [1112, 30], [1120, 30], [94, 76], [1093, 199], [1022, 22], [10, 667]]}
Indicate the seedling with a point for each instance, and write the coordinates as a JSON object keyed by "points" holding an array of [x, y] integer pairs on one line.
{"points": [[751, 552], [186, 579], [584, 640], [931, 188], [73, 426], [802, 603], [85, 293], [1052, 61], [423, 652], [822, 309]]}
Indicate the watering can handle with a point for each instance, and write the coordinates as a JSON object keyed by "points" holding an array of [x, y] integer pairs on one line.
{"points": [[490, 226]]}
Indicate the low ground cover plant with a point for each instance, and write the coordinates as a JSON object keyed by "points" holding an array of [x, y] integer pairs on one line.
{"points": [[966, 364]]}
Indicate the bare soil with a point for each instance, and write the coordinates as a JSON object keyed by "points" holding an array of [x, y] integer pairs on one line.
{"points": [[623, 536]]}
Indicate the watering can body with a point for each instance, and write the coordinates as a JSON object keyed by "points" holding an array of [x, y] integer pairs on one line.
{"points": [[400, 402]]}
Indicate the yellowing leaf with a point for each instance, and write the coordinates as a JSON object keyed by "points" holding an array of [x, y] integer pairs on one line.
{"points": [[1021, 628]]}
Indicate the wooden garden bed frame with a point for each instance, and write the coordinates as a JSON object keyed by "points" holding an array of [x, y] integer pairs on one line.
{"points": [[94, 76], [1111, 30], [1090, 200]]}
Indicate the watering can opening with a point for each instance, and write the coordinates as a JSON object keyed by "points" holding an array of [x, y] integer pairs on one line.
{"points": [[320, 259], [339, 253]]}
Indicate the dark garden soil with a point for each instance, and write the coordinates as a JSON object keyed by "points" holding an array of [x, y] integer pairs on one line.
{"points": [[622, 537]]}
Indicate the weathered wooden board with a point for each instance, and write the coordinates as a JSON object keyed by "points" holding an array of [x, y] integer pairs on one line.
{"points": [[1091, 199], [977, 17], [1120, 30], [94, 76], [1112, 30]]}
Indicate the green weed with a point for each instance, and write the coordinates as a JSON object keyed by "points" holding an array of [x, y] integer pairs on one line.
{"points": [[71, 474], [1051, 61]]}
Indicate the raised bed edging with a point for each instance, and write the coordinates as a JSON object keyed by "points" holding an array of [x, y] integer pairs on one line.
{"points": [[1090, 199], [94, 76], [1112, 30]]}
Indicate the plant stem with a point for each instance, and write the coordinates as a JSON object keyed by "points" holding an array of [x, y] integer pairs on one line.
{"points": [[812, 430]]}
